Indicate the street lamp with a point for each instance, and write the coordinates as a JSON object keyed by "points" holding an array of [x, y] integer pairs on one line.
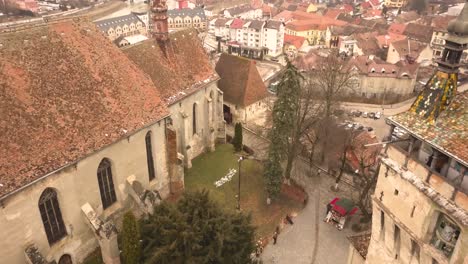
{"points": [[241, 158]]}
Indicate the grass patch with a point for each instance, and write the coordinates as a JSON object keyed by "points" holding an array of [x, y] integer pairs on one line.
{"points": [[210, 167]]}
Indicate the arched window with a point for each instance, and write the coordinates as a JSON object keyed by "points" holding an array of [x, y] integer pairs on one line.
{"points": [[65, 259], [194, 119], [51, 216], [149, 156], [106, 184]]}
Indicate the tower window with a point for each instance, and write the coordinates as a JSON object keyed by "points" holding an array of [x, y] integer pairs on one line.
{"points": [[106, 184], [194, 119], [51, 216]]}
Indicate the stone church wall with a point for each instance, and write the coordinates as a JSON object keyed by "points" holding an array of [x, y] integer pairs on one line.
{"points": [[20, 220]]}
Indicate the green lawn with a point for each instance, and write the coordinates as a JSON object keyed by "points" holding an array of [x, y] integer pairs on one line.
{"points": [[208, 168]]}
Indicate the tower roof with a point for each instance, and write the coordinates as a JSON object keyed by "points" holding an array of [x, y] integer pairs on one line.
{"points": [[459, 25]]}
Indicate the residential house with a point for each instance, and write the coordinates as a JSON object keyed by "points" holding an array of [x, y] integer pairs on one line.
{"points": [[284, 16], [244, 12], [418, 32], [409, 50], [335, 33], [397, 28], [245, 93], [221, 28], [292, 45], [375, 78], [127, 25], [366, 44], [251, 38], [187, 18], [420, 205], [314, 30]]}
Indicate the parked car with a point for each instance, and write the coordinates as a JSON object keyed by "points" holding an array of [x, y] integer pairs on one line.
{"points": [[371, 115], [338, 112], [357, 113], [364, 114], [369, 129], [378, 115]]}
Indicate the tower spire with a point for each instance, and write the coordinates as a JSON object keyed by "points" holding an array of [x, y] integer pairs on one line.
{"points": [[442, 87], [160, 31]]}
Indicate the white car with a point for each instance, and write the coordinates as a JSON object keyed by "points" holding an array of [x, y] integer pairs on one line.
{"points": [[364, 114], [378, 115]]}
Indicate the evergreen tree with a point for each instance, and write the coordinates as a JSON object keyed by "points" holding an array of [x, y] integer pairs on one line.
{"points": [[130, 239], [196, 230], [288, 116], [237, 140], [273, 172]]}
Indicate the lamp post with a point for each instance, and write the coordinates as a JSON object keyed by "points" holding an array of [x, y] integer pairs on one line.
{"points": [[241, 158]]}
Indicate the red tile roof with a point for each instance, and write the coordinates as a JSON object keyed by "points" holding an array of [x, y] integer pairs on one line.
{"points": [[389, 38], [237, 23], [284, 16], [397, 28], [177, 76], [374, 2], [294, 40], [67, 92], [333, 12], [366, 5], [348, 8], [240, 80], [313, 24]]}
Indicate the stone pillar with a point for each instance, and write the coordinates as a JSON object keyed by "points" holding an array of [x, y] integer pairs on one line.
{"points": [[435, 157], [105, 233], [410, 149], [185, 140]]}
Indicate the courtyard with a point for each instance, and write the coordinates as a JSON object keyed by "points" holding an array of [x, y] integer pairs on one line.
{"points": [[211, 167]]}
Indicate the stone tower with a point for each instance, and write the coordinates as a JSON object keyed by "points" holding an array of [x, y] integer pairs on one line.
{"points": [[160, 31]]}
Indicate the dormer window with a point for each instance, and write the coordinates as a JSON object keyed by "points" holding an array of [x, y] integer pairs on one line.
{"points": [[383, 70], [372, 70]]}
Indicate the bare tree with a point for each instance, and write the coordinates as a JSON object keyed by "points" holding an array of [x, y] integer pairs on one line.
{"points": [[329, 78]]}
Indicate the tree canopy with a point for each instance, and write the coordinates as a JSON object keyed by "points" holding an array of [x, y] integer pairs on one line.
{"points": [[196, 230]]}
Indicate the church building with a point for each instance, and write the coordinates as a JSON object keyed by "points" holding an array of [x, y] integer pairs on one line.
{"points": [[91, 131]]}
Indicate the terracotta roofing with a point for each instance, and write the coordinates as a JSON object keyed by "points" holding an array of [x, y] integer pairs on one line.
{"points": [[333, 12], [348, 30], [177, 76], [105, 25], [67, 92], [256, 4], [294, 40], [418, 32], [313, 24], [367, 43], [372, 13], [441, 22], [402, 48], [376, 67], [374, 2], [385, 40], [240, 80], [284, 16], [448, 132], [397, 28], [237, 23], [366, 5], [407, 17]]}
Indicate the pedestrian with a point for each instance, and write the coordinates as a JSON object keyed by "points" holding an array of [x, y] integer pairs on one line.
{"points": [[275, 237], [329, 207], [289, 220]]}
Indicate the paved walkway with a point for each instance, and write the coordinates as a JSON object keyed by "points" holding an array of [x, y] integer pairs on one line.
{"points": [[309, 240]]}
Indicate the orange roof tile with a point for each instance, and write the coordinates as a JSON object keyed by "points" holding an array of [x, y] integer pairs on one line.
{"points": [[67, 92]]}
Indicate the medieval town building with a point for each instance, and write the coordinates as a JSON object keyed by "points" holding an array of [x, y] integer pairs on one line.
{"points": [[92, 131], [123, 26], [187, 18], [420, 205], [245, 93]]}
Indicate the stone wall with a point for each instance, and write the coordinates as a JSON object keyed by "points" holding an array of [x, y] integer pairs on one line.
{"points": [[76, 185]]}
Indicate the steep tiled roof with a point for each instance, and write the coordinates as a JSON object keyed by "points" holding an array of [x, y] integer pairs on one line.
{"points": [[418, 32], [367, 43], [407, 17], [383, 40], [176, 76], [397, 28], [221, 22], [294, 40], [448, 132], [66, 93], [237, 23], [333, 12], [240, 81], [237, 10], [313, 24], [402, 47], [256, 24], [284, 16]]}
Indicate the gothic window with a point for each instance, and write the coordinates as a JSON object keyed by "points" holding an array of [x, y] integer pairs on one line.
{"points": [[106, 184], [51, 216], [149, 156], [194, 119], [65, 259]]}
